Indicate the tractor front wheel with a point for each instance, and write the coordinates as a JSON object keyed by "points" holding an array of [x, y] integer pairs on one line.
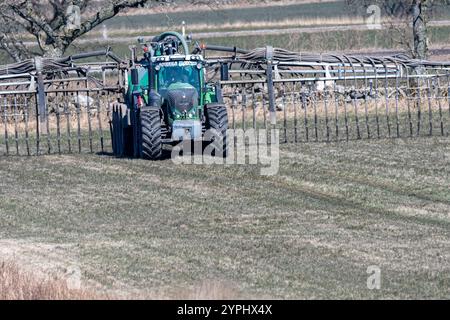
{"points": [[151, 148], [217, 121]]}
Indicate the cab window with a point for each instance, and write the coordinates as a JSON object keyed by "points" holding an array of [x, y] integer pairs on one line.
{"points": [[168, 75]]}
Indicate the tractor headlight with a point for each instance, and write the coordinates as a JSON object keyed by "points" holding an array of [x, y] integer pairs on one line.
{"points": [[157, 67], [199, 66]]}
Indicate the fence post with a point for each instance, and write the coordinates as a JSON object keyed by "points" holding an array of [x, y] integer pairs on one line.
{"points": [[41, 100], [270, 88]]}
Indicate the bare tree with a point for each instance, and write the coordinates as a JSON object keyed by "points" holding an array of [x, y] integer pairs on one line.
{"points": [[407, 21], [54, 24]]}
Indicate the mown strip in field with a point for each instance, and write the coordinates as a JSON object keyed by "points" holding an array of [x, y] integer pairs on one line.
{"points": [[215, 16]]}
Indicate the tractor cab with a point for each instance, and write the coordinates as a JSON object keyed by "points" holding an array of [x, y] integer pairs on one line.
{"points": [[179, 83], [169, 73], [167, 100]]}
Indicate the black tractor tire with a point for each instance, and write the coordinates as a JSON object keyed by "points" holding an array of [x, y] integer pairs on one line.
{"points": [[217, 119], [151, 146]]}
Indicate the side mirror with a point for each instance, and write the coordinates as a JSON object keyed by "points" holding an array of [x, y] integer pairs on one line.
{"points": [[134, 77], [224, 74]]}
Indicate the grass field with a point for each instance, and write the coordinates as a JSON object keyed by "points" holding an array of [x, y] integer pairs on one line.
{"points": [[155, 229], [142, 229]]}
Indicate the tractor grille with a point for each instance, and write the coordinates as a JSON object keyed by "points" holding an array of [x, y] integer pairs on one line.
{"points": [[182, 99]]}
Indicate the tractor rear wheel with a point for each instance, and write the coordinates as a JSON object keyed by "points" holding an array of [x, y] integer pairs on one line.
{"points": [[217, 121], [151, 148]]}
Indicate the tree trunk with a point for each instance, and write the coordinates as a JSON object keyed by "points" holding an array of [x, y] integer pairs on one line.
{"points": [[420, 8], [53, 52]]}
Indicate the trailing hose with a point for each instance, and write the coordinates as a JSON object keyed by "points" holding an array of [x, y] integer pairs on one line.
{"points": [[52, 64]]}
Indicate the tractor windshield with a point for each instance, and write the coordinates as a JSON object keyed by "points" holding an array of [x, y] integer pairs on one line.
{"points": [[174, 72]]}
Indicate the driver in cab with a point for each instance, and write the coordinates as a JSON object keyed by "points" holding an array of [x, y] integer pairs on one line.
{"points": [[175, 75]]}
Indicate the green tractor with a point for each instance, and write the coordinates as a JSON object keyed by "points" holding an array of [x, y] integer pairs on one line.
{"points": [[167, 101]]}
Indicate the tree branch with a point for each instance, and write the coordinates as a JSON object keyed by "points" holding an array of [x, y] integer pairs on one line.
{"points": [[14, 47], [26, 11], [108, 12], [47, 21]]}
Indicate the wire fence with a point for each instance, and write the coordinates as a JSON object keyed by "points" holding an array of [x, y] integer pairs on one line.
{"points": [[331, 98], [59, 113], [376, 109]]}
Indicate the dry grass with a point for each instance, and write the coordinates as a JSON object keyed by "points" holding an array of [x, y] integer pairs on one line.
{"points": [[209, 290], [16, 284]]}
